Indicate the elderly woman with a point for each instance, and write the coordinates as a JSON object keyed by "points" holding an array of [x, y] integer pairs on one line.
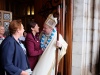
{"points": [[2, 31], [13, 52]]}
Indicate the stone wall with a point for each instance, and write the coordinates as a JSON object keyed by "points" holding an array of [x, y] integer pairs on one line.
{"points": [[85, 36]]}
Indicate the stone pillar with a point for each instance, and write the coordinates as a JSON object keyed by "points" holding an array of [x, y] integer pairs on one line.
{"points": [[85, 36], [77, 36]]}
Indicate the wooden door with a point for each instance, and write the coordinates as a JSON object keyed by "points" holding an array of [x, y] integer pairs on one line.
{"points": [[65, 66]]}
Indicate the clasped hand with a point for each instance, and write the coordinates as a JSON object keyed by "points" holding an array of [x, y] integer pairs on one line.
{"points": [[58, 44]]}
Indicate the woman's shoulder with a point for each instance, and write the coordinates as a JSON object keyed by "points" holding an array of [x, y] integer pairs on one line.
{"points": [[8, 40], [29, 35]]}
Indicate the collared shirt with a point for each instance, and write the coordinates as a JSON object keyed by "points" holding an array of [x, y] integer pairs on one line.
{"points": [[1, 39], [23, 47]]}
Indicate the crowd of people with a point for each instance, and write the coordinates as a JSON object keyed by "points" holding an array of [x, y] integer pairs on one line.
{"points": [[34, 53]]}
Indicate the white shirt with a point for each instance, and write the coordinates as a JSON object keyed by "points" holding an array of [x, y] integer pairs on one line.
{"points": [[1, 39], [22, 38]]}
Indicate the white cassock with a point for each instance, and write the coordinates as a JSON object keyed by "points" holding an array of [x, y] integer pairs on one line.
{"points": [[46, 63]]}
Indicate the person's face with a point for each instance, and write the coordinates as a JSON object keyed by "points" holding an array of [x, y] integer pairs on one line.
{"points": [[36, 28], [2, 30], [21, 30], [47, 30]]}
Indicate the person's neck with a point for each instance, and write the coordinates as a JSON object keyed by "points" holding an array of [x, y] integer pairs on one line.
{"points": [[1, 35], [15, 37], [34, 33]]}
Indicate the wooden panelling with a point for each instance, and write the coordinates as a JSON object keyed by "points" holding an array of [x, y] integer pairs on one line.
{"points": [[43, 8], [68, 33], [2, 4]]}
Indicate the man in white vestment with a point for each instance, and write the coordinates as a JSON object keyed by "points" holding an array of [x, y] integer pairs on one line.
{"points": [[49, 43]]}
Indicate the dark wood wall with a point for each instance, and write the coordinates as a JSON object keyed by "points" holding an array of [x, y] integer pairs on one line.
{"points": [[2, 5], [43, 8], [68, 37]]}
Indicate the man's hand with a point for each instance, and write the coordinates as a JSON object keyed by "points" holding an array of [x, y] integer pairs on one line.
{"points": [[58, 44]]}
